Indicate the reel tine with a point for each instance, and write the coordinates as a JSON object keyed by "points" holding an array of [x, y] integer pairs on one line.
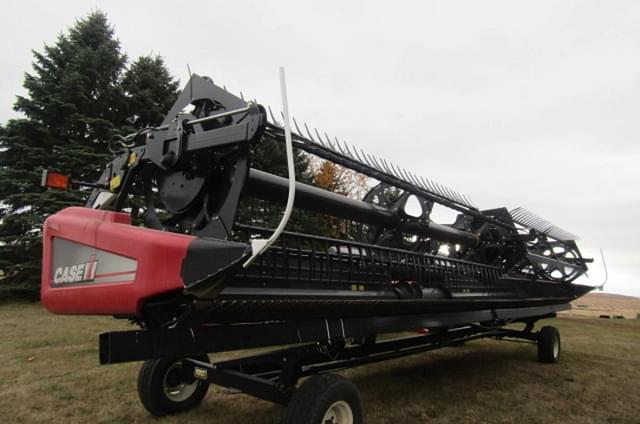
{"points": [[342, 149], [362, 159], [369, 159], [445, 192], [407, 176], [450, 193], [273, 118], [333, 147], [396, 170], [402, 174], [309, 133], [379, 164], [412, 179], [425, 181], [348, 150], [469, 202], [346, 146], [454, 194], [520, 215], [375, 162], [435, 187], [432, 186], [423, 185], [326, 137], [355, 150], [317, 134], [295, 124], [459, 197], [384, 166], [242, 96], [532, 218], [415, 180], [393, 170], [537, 221], [527, 220], [539, 225]]}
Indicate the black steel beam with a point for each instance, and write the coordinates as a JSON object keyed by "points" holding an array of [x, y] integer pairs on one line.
{"points": [[126, 346], [249, 384], [264, 185], [273, 375]]}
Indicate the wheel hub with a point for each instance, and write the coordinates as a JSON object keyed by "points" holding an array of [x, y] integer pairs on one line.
{"points": [[175, 388], [338, 413]]}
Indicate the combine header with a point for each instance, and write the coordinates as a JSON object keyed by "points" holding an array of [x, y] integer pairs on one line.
{"points": [[179, 235]]}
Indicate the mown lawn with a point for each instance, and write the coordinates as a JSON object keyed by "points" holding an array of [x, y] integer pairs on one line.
{"points": [[49, 373]]}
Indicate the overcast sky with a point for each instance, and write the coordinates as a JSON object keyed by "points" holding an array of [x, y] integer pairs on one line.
{"points": [[530, 104]]}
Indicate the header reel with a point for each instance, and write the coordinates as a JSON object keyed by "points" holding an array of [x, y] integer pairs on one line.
{"points": [[193, 170]]}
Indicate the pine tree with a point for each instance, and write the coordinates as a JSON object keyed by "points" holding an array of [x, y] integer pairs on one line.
{"points": [[150, 91], [270, 156], [76, 99]]}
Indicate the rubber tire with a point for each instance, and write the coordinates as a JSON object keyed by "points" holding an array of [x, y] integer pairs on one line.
{"points": [[311, 401], [151, 388], [547, 339]]}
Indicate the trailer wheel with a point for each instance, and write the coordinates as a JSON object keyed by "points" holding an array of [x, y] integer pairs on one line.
{"points": [[549, 345], [166, 386], [325, 399]]}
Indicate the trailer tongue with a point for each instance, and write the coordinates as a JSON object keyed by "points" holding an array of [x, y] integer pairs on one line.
{"points": [[169, 238]]}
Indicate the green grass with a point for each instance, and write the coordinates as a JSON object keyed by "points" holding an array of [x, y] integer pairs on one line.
{"points": [[49, 372]]}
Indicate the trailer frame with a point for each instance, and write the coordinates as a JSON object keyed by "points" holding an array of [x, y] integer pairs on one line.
{"points": [[313, 347]]}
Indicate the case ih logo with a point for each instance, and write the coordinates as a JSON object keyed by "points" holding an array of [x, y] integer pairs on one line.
{"points": [[79, 273]]}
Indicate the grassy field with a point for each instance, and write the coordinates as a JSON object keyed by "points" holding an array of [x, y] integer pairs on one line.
{"points": [[49, 373]]}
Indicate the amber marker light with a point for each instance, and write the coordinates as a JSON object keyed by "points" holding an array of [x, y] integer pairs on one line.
{"points": [[55, 180]]}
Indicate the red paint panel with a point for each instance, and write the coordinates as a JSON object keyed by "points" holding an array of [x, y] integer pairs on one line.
{"points": [[158, 254]]}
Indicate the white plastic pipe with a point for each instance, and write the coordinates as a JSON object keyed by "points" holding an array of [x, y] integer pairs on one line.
{"points": [[606, 272], [258, 246]]}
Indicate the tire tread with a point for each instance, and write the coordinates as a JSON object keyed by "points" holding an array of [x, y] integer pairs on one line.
{"points": [[547, 337], [151, 388], [310, 402]]}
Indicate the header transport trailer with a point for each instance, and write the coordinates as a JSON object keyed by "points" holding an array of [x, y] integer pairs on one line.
{"points": [[184, 234]]}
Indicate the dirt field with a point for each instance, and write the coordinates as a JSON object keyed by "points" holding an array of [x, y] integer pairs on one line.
{"points": [[49, 373], [607, 305]]}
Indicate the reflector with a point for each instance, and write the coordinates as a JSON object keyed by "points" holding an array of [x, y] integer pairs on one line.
{"points": [[55, 180]]}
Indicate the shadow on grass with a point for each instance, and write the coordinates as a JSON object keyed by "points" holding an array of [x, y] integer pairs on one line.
{"points": [[435, 377]]}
